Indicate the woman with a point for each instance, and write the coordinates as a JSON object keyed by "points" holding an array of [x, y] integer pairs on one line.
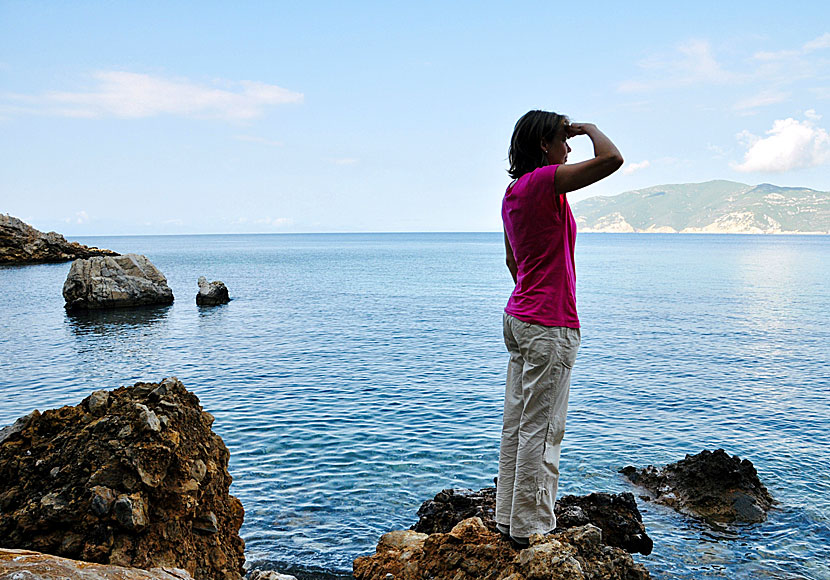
{"points": [[541, 327]]}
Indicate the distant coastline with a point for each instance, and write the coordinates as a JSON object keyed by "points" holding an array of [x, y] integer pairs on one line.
{"points": [[712, 207]]}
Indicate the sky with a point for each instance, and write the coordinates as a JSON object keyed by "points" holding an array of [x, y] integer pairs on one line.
{"points": [[267, 117]]}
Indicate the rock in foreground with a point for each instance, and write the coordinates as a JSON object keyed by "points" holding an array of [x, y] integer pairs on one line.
{"points": [[20, 243], [212, 293], [133, 477], [25, 565], [471, 551], [615, 514], [710, 485], [107, 282]]}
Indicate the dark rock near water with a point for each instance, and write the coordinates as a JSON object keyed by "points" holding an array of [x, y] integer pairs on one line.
{"points": [[472, 551], [615, 514], [20, 243], [107, 282], [132, 477], [212, 293], [450, 506], [709, 485]]}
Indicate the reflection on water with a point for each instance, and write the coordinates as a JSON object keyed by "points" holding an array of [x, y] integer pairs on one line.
{"points": [[115, 321]]}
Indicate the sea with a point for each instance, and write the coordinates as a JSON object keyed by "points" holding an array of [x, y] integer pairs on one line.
{"points": [[353, 376]]}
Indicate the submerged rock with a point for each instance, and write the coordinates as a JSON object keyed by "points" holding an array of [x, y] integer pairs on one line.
{"points": [[26, 564], [615, 514], [107, 282], [710, 485], [20, 243], [212, 293], [471, 551], [135, 478]]}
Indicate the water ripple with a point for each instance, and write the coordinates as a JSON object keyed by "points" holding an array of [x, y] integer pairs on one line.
{"points": [[353, 376]]}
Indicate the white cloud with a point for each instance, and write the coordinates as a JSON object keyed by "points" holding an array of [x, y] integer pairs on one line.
{"points": [[133, 95], [790, 144], [346, 161], [812, 115], [632, 167]]}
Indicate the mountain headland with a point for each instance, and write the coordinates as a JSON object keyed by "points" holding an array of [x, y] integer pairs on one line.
{"points": [[716, 207]]}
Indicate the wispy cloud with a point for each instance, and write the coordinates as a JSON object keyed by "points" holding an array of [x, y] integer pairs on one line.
{"points": [[131, 95], [762, 99], [345, 161], [634, 167], [696, 63], [692, 62], [820, 43], [790, 144]]}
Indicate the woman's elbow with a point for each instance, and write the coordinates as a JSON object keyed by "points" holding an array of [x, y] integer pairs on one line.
{"points": [[616, 161]]}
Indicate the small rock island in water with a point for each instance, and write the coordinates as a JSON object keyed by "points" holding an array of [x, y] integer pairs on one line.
{"points": [[115, 282], [710, 485], [20, 243]]}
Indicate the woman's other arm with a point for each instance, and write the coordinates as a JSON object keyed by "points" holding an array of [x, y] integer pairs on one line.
{"points": [[607, 159], [511, 260]]}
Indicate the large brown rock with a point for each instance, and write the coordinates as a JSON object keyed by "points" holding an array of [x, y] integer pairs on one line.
{"points": [[26, 564], [20, 243], [132, 477], [107, 282], [710, 485], [615, 514], [471, 551]]}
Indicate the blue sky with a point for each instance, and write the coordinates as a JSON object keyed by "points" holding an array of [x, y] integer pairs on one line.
{"points": [[176, 117]]}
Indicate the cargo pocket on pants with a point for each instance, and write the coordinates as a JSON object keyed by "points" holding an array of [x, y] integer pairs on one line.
{"points": [[553, 441]]}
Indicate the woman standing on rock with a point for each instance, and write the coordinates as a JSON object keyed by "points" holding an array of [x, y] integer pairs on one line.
{"points": [[541, 327]]}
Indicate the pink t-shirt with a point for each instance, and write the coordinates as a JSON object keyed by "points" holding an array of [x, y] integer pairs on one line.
{"points": [[541, 230]]}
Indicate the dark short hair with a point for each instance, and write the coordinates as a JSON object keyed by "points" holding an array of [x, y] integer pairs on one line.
{"points": [[525, 153]]}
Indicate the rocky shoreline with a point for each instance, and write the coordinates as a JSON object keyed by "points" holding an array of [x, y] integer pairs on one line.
{"points": [[134, 484], [20, 243]]}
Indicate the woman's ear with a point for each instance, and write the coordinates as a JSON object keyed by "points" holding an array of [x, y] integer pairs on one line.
{"points": [[544, 145]]}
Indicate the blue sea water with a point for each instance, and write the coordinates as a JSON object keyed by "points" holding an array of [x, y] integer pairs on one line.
{"points": [[353, 376]]}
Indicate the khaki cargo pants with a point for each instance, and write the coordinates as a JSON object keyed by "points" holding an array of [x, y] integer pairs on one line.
{"points": [[535, 406]]}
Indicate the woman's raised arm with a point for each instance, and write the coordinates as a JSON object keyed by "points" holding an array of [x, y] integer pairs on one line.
{"points": [[607, 159]]}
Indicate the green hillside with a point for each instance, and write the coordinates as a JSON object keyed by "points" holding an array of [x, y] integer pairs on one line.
{"points": [[710, 207]]}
